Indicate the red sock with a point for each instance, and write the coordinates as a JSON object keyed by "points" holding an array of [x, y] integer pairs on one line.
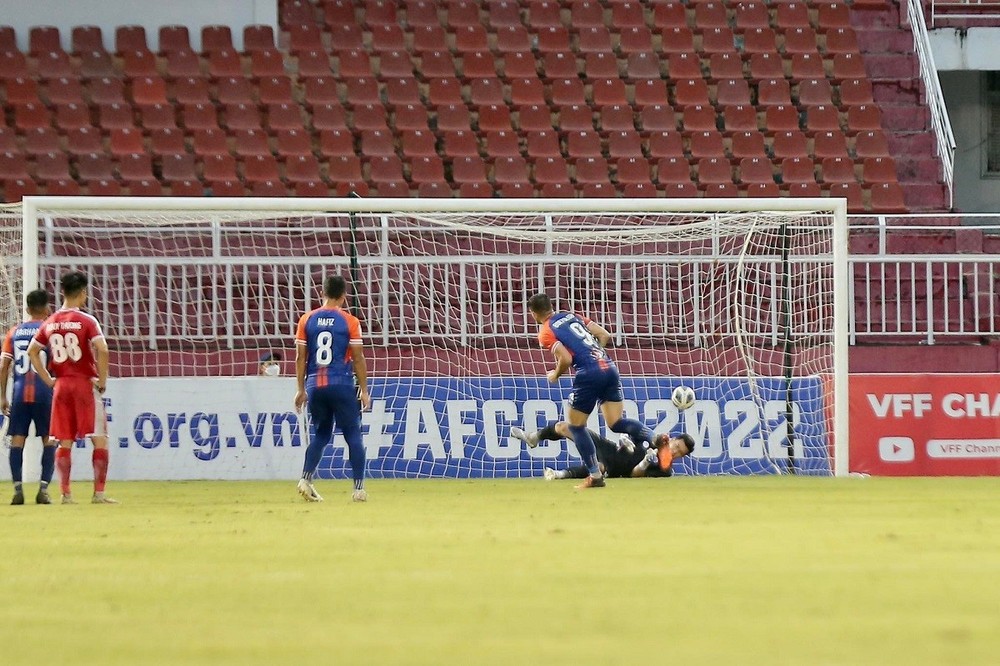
{"points": [[64, 461], [100, 460]]}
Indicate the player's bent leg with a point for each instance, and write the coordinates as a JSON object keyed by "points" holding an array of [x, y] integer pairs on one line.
{"points": [[529, 438], [64, 463], [636, 431]]}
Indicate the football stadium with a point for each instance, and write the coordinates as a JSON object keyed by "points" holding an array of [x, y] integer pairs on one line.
{"points": [[500, 331]]}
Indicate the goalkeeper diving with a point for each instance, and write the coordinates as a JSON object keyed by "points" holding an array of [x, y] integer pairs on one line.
{"points": [[621, 460]]}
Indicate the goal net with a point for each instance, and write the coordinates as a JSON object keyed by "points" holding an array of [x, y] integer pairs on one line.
{"points": [[735, 298]]}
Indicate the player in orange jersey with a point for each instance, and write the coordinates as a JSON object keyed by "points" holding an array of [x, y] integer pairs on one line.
{"points": [[31, 399]]}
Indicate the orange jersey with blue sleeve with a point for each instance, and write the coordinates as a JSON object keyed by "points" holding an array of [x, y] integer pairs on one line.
{"points": [[28, 386], [327, 335], [571, 332]]}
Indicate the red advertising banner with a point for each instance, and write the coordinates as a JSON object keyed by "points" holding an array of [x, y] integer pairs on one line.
{"points": [[925, 425]]}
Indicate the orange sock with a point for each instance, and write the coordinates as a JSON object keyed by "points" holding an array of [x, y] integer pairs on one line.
{"points": [[100, 460], [64, 461]]}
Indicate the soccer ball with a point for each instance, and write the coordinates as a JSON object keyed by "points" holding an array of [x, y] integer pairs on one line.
{"points": [[682, 397]]}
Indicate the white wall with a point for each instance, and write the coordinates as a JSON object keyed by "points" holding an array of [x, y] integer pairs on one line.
{"points": [[961, 57], [108, 14], [963, 94]]}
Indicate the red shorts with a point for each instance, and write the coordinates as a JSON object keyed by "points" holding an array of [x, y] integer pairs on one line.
{"points": [[77, 410]]}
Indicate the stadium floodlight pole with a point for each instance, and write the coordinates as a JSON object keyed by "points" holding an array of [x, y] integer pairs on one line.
{"points": [[457, 213]]}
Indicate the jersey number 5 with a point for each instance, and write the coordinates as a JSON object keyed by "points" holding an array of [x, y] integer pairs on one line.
{"points": [[65, 347]]}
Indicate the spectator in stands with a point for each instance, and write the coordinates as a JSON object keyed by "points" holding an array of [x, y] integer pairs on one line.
{"points": [[270, 364]]}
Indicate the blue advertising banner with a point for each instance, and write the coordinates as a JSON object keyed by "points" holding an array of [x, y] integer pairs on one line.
{"points": [[460, 427]]}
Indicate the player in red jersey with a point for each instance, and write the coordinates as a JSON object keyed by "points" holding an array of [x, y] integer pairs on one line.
{"points": [[31, 399], [78, 356]]}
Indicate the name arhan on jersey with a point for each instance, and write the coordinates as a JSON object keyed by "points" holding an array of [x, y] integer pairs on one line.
{"points": [[63, 326]]}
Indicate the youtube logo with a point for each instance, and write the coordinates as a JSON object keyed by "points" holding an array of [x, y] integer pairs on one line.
{"points": [[896, 449]]}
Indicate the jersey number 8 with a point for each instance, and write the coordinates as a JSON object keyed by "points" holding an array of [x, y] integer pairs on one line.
{"points": [[324, 348], [65, 347]]}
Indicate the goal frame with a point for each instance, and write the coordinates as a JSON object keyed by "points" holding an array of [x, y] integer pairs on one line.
{"points": [[835, 207]]}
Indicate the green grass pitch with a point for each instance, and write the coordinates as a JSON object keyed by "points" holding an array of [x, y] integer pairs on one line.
{"points": [[678, 571]]}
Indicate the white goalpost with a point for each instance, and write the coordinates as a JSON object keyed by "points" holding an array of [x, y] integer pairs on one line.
{"points": [[745, 300]]}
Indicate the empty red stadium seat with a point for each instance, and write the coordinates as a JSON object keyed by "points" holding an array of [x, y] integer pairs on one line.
{"points": [[673, 170], [470, 169], [199, 117], [864, 118], [454, 117], [732, 92], [887, 198], [792, 15], [789, 144], [706, 144], [714, 170], [755, 170], [725, 66], [815, 92], [576, 118], [258, 38], [879, 170], [178, 168], [852, 192], [292, 142], [592, 170], [747, 144], [522, 92], [417, 143], [94, 167], [368, 117], [161, 142], [871, 143], [542, 144], [855, 92], [495, 117], [126, 140], [649, 92], [766, 65], [553, 169], [717, 40], [501, 143], [510, 170], [822, 118], [240, 117], [216, 38], [698, 118], [513, 39], [829, 144], [534, 118], [250, 142], [677, 40], [210, 142], [84, 140], [797, 170], [739, 118], [758, 40], [427, 169], [115, 116], [329, 116], [336, 142], [135, 167], [837, 170], [459, 143], [616, 117], [624, 143], [567, 92], [848, 66], [665, 144], [691, 92]]}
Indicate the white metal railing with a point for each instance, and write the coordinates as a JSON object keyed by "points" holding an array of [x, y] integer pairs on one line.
{"points": [[946, 11], [940, 122]]}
